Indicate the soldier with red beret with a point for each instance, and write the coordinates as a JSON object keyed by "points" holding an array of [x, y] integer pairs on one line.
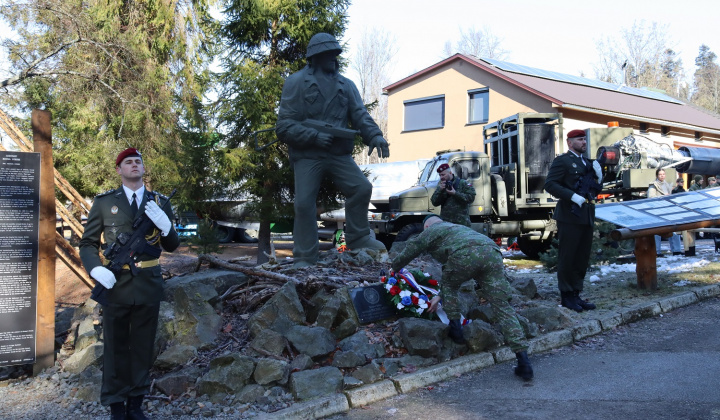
{"points": [[130, 317], [454, 195], [575, 229]]}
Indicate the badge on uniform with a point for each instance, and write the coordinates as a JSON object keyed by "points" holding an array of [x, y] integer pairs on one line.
{"points": [[114, 209], [574, 165]]}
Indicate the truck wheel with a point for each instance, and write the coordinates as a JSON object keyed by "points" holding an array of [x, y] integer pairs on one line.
{"points": [[226, 234], [245, 237], [533, 248], [409, 231]]}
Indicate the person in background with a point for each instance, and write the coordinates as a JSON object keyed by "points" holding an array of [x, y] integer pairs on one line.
{"points": [[679, 186], [661, 188], [712, 183], [130, 319], [454, 195], [697, 183]]}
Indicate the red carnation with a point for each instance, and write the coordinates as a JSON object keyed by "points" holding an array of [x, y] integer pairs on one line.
{"points": [[433, 282], [414, 300], [383, 279], [394, 290]]}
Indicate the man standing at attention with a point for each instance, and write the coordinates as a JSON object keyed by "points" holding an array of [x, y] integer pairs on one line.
{"points": [[131, 317], [454, 195], [575, 216], [466, 254], [317, 109]]}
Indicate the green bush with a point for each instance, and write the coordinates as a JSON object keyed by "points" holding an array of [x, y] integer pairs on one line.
{"points": [[604, 249], [207, 240]]}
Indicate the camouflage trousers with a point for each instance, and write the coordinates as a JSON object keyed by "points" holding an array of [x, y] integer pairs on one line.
{"points": [[485, 266]]}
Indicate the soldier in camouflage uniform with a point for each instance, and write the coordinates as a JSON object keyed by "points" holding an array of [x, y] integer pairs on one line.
{"points": [[454, 195], [466, 254]]}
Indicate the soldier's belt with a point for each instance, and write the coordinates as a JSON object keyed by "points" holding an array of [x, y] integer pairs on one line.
{"points": [[143, 264]]}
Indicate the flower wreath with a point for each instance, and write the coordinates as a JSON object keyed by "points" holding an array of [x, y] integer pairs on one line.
{"points": [[411, 291]]}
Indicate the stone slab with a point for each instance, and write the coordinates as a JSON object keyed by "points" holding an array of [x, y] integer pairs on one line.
{"points": [[369, 394], [437, 373]]}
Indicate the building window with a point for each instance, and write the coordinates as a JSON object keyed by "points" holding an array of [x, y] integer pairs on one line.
{"points": [[425, 113], [643, 127], [664, 130], [698, 136], [478, 101]]}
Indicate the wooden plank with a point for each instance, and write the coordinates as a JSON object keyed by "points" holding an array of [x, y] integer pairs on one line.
{"points": [[71, 258], [646, 262], [45, 326]]}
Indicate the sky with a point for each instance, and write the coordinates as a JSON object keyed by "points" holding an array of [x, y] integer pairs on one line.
{"points": [[560, 35]]}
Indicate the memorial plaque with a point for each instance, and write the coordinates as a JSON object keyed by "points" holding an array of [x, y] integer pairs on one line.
{"points": [[19, 218], [372, 303]]}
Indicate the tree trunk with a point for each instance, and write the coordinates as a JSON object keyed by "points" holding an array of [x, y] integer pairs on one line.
{"points": [[263, 242]]}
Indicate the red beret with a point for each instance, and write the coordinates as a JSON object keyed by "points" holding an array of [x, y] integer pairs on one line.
{"points": [[443, 167], [131, 151], [576, 133]]}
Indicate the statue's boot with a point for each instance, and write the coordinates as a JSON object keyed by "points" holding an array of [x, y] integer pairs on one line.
{"points": [[366, 243], [302, 263]]}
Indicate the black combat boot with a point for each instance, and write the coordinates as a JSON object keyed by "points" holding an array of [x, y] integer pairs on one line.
{"points": [[117, 411], [523, 368], [134, 408], [455, 332], [690, 252], [583, 303], [568, 300]]}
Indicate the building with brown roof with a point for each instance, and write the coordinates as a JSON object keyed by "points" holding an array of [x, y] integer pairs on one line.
{"points": [[445, 106]]}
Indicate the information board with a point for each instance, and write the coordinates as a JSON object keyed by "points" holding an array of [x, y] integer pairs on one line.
{"points": [[668, 210], [19, 219]]}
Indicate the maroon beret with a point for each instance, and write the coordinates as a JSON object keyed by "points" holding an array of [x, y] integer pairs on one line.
{"points": [[131, 151], [576, 133], [443, 167]]}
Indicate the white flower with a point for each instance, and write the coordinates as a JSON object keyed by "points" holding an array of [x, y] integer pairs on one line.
{"points": [[405, 293], [388, 286], [400, 305], [420, 310], [416, 294], [422, 304]]}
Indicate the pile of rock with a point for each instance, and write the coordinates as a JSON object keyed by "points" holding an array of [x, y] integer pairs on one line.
{"points": [[293, 348]]}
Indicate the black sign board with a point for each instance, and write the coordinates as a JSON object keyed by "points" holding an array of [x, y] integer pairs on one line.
{"points": [[19, 218], [372, 303]]}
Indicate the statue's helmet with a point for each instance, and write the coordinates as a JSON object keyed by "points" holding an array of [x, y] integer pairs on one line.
{"points": [[322, 42]]}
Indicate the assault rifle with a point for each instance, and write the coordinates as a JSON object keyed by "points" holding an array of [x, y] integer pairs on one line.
{"points": [[587, 188], [321, 126], [125, 251]]}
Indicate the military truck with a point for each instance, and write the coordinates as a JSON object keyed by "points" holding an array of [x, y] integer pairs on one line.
{"points": [[508, 177]]}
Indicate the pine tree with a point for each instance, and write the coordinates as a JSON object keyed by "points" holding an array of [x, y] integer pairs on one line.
{"points": [[706, 83]]}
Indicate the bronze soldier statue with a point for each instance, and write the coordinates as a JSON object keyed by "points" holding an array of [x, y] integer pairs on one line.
{"points": [[320, 113]]}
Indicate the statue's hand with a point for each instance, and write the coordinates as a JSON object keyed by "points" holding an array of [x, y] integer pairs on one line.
{"points": [[324, 140], [382, 147]]}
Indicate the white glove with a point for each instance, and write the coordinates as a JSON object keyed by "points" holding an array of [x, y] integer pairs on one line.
{"points": [[103, 276], [577, 200], [161, 220], [598, 170]]}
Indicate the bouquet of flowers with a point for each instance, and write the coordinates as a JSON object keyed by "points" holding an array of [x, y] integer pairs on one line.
{"points": [[411, 291]]}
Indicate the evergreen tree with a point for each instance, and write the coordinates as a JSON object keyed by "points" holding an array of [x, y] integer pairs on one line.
{"points": [[265, 42], [114, 74], [706, 80]]}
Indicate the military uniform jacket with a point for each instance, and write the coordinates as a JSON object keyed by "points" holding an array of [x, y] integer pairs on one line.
{"points": [[110, 216], [454, 208], [447, 243], [695, 187], [302, 98], [561, 181]]}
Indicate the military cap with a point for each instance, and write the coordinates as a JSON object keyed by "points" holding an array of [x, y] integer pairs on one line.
{"points": [[322, 42], [130, 151], [576, 133], [698, 178], [443, 167]]}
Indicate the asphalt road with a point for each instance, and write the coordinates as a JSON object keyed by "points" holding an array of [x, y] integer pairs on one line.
{"points": [[666, 367]]}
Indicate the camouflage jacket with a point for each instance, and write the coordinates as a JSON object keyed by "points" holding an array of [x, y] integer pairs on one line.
{"points": [[447, 243], [455, 207]]}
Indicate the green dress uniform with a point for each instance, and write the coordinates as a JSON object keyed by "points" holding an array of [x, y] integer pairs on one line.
{"points": [[131, 317], [337, 106], [466, 254], [455, 207], [575, 231]]}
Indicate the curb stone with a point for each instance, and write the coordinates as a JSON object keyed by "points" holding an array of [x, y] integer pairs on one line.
{"points": [[340, 403], [371, 393]]}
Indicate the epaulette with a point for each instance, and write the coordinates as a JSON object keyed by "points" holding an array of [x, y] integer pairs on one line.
{"points": [[108, 192]]}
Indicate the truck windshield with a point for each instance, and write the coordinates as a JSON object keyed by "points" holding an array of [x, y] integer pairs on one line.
{"points": [[429, 174]]}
